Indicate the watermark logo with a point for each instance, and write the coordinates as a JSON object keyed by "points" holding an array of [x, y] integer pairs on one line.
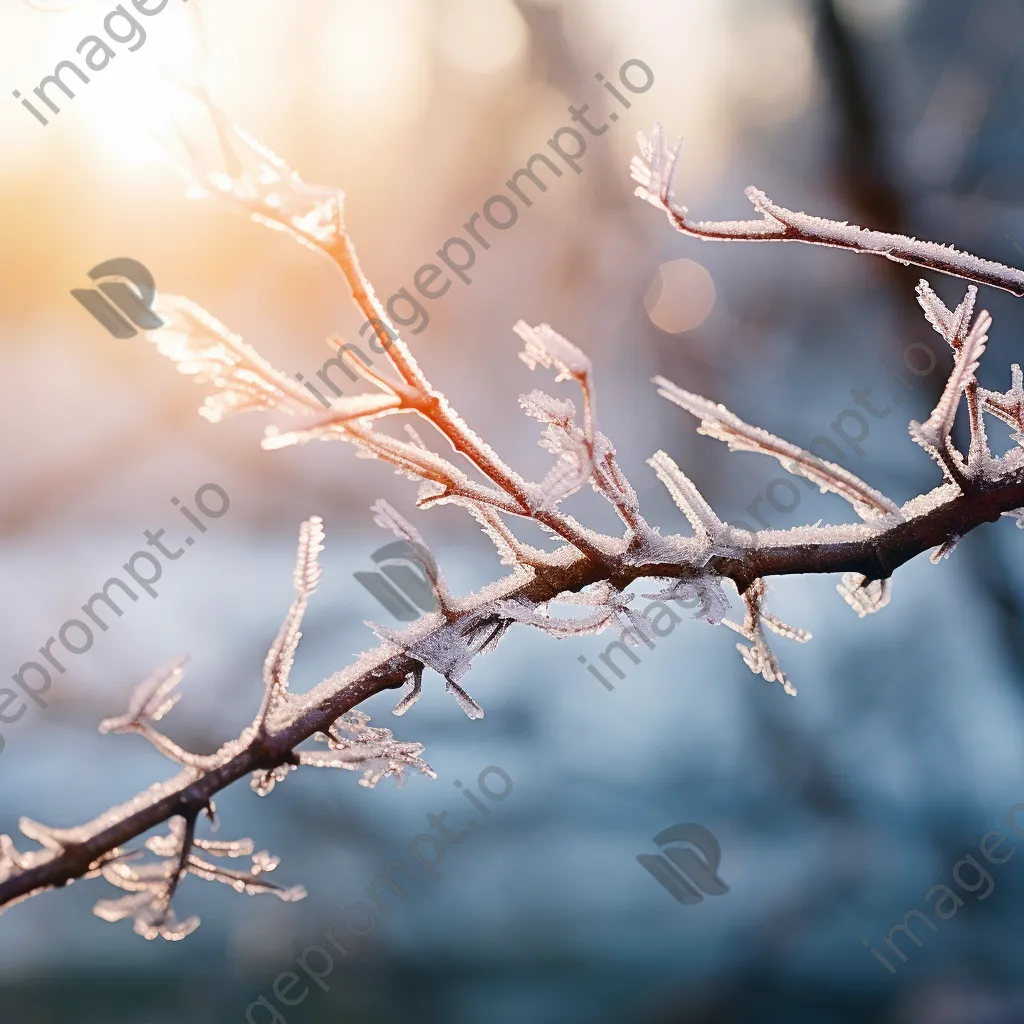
{"points": [[118, 305], [682, 872], [400, 585]]}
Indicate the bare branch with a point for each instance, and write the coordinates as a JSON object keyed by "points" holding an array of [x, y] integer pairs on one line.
{"points": [[688, 499], [718, 422], [280, 657], [591, 569], [934, 434], [874, 552], [202, 347], [954, 327], [270, 192], [654, 171], [759, 657]]}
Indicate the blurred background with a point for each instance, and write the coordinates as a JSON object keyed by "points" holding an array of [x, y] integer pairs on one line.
{"points": [[836, 811]]}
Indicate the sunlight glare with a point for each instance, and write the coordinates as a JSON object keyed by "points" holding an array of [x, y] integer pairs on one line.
{"points": [[482, 37], [372, 62]]}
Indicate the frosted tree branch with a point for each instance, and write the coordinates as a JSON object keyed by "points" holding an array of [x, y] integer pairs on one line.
{"points": [[654, 171], [718, 422], [586, 568]]}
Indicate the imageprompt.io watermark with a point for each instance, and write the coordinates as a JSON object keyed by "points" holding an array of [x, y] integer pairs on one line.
{"points": [[316, 961], [500, 212], [918, 359], [943, 900], [119, 307], [400, 585], [76, 636], [686, 874], [120, 26]]}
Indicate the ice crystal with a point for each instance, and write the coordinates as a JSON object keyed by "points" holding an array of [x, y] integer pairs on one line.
{"points": [[759, 657], [690, 501], [343, 410], [703, 587], [151, 886], [609, 481], [547, 409], [511, 551], [388, 518], [863, 596], [1018, 515], [1008, 406], [934, 432], [952, 325], [150, 700], [263, 781], [718, 422], [306, 575], [571, 470], [448, 647], [546, 347], [654, 169], [202, 347], [414, 687], [355, 745], [583, 453], [944, 550], [254, 179], [610, 607]]}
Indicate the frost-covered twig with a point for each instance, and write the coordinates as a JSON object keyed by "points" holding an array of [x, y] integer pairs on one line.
{"points": [[934, 435], [654, 171], [278, 664], [718, 422], [955, 327], [589, 568], [759, 656], [151, 886], [873, 552]]}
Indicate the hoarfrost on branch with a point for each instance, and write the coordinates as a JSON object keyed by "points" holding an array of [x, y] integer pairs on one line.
{"points": [[453, 464]]}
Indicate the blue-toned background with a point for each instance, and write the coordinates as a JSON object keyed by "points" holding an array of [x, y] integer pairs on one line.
{"points": [[836, 810]]}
